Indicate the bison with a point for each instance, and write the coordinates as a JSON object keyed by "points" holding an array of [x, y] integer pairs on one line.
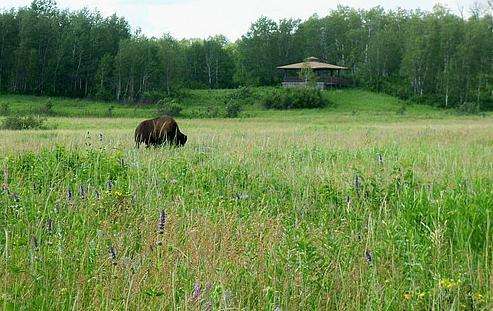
{"points": [[159, 131]]}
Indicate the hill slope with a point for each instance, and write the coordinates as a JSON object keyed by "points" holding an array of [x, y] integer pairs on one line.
{"points": [[196, 103]]}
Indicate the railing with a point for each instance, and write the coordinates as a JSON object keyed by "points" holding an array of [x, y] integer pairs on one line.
{"points": [[329, 81]]}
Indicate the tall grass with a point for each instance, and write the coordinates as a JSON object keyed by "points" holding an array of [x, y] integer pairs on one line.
{"points": [[258, 214]]}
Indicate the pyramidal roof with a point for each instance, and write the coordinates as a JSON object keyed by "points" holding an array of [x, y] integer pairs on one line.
{"points": [[313, 63]]}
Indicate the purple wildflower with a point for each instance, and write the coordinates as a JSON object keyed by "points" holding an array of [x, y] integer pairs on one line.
{"points": [[197, 290], [357, 183], [49, 225], [348, 200], [15, 197], [368, 256], [34, 243], [69, 194], [113, 255], [208, 287], [5, 185], [82, 191], [162, 222]]}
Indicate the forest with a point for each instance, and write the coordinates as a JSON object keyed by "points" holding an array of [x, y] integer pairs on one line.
{"points": [[435, 57]]}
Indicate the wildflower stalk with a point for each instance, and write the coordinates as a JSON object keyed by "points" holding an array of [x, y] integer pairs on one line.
{"points": [[70, 195], [5, 185], [368, 256], [112, 255], [357, 184], [380, 159], [162, 222]]}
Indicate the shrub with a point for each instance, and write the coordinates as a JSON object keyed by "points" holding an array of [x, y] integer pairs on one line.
{"points": [[210, 111], [243, 93], [104, 94], [5, 108], [469, 108], [48, 108], [170, 107], [431, 100], [179, 93], [294, 98], [233, 109], [152, 97], [23, 123], [110, 110], [402, 109]]}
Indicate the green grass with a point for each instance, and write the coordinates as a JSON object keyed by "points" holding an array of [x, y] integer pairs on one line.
{"points": [[195, 102], [349, 102], [281, 209]]}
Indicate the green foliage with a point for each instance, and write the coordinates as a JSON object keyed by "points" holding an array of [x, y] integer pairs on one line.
{"points": [[469, 108], [23, 123], [110, 111], [294, 98], [243, 94], [233, 109], [152, 97], [47, 109], [308, 75], [210, 111], [169, 107], [432, 57], [402, 109], [211, 104], [5, 108]]}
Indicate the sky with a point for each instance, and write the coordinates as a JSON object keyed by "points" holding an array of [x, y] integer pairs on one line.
{"points": [[232, 18]]}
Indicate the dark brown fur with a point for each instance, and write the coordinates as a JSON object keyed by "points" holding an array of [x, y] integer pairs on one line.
{"points": [[159, 131]]}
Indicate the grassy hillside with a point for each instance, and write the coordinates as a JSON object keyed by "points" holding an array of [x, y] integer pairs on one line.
{"points": [[196, 102], [331, 209]]}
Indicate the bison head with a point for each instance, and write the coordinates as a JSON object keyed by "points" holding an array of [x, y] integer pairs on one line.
{"points": [[182, 139]]}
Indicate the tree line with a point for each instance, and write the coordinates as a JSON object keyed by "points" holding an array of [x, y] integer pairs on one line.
{"points": [[436, 57]]}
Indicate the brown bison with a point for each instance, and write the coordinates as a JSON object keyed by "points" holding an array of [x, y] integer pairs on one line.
{"points": [[159, 131]]}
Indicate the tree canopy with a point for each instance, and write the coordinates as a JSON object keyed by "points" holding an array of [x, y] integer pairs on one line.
{"points": [[435, 57]]}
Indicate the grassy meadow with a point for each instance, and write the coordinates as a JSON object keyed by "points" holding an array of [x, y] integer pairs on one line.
{"points": [[355, 206], [197, 102]]}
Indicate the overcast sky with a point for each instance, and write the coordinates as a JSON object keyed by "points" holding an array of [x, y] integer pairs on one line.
{"points": [[203, 18]]}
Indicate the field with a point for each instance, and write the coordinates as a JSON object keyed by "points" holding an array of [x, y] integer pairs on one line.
{"points": [[355, 206]]}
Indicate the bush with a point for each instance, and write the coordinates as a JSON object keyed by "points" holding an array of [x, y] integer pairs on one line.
{"points": [[294, 98], [204, 112], [110, 110], [169, 107], [23, 123], [5, 109], [48, 108], [212, 112], [243, 94], [431, 100], [152, 97], [469, 108], [233, 109]]}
